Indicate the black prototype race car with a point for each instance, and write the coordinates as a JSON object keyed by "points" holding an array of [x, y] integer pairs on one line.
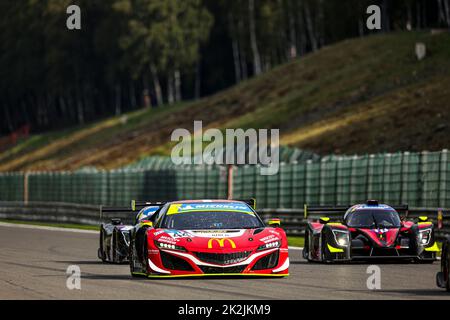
{"points": [[368, 231], [115, 235]]}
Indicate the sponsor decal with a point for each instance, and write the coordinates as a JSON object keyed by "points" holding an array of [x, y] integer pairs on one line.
{"points": [[221, 242], [269, 238], [381, 233], [218, 234], [178, 233], [167, 239], [274, 232], [157, 233], [211, 206]]}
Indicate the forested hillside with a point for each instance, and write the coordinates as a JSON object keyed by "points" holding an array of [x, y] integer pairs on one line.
{"points": [[131, 54], [364, 95]]}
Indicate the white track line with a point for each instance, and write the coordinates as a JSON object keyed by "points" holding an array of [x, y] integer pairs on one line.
{"points": [[30, 226]]}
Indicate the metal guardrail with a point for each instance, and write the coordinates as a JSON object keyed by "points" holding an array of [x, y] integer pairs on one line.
{"points": [[292, 220], [55, 212]]}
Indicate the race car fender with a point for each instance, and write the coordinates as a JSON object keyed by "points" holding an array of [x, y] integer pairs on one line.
{"points": [[443, 276], [336, 242], [428, 249]]}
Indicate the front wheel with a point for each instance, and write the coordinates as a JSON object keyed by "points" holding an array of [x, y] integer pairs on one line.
{"points": [[326, 255], [101, 252], [131, 258], [305, 251], [445, 265]]}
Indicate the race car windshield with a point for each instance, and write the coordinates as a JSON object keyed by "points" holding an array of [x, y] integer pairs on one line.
{"points": [[211, 220], [373, 219]]}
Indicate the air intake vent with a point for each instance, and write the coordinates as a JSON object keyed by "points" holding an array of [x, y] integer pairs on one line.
{"points": [[223, 258], [172, 262]]}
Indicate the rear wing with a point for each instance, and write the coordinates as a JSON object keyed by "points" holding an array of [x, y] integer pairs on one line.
{"points": [[124, 212], [338, 211], [139, 205], [104, 209], [115, 213]]}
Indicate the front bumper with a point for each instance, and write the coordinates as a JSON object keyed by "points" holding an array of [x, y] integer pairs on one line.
{"points": [[170, 263], [420, 254]]}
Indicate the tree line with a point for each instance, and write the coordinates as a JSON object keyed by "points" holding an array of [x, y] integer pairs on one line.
{"points": [[131, 54]]}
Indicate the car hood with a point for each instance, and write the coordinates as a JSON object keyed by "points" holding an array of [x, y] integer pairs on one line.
{"points": [[218, 240], [382, 237]]}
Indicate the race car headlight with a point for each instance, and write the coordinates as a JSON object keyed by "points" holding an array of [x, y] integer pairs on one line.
{"points": [[270, 245], [341, 238], [163, 245], [424, 237]]}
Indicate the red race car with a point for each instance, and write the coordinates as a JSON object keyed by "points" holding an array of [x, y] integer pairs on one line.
{"points": [[369, 231], [208, 238]]}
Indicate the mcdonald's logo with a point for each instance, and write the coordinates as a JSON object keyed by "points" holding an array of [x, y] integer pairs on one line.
{"points": [[221, 242]]}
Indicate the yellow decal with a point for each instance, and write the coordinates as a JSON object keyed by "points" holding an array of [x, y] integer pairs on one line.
{"points": [[221, 242], [174, 208], [333, 249], [150, 224], [434, 247]]}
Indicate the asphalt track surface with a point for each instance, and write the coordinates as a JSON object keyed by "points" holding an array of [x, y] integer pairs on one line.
{"points": [[33, 264]]}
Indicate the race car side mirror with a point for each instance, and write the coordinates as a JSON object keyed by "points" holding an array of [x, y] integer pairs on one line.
{"points": [[275, 222], [423, 218], [324, 220], [116, 221]]}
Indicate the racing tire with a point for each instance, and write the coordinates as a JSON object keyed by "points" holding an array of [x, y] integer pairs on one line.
{"points": [[324, 254], [445, 261], [131, 260], [305, 251], [114, 244], [145, 255], [101, 252]]}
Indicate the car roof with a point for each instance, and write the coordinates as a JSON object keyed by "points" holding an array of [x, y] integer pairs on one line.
{"points": [[207, 201], [371, 206], [205, 205], [365, 207]]}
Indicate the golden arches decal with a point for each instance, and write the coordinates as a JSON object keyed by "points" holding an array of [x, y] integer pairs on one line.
{"points": [[221, 242]]}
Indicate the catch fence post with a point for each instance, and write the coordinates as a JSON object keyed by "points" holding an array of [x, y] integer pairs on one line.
{"points": [[230, 182], [25, 188], [442, 189]]}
